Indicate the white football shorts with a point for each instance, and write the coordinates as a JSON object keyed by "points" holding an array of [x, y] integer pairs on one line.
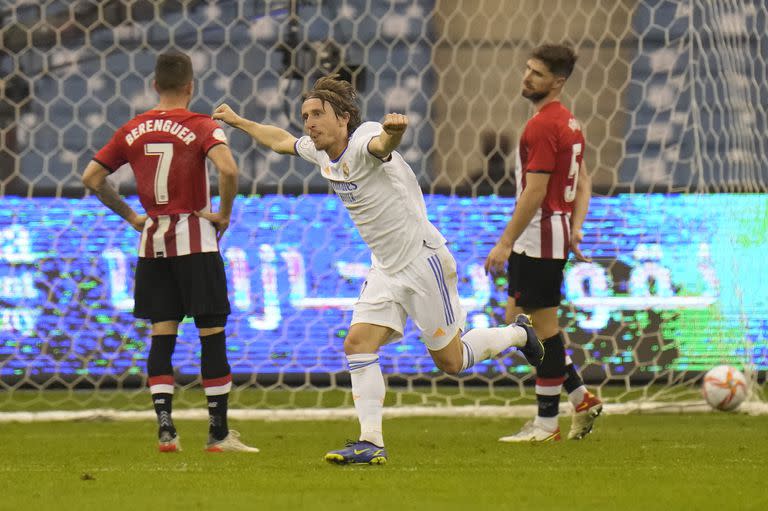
{"points": [[426, 290]]}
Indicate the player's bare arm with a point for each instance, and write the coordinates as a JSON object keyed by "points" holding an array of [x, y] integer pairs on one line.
{"points": [[95, 179], [580, 208], [530, 201], [277, 139], [222, 158], [394, 127]]}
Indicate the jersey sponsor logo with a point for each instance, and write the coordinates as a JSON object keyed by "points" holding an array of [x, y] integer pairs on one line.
{"points": [[344, 190], [343, 186], [219, 135], [166, 125]]}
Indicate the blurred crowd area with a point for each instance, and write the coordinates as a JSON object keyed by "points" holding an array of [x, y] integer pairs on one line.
{"points": [[672, 94]]}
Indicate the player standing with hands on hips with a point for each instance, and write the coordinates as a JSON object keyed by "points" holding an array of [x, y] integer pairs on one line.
{"points": [[553, 192], [412, 273], [180, 271]]}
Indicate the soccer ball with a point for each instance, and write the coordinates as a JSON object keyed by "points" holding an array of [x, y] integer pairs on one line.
{"points": [[724, 388]]}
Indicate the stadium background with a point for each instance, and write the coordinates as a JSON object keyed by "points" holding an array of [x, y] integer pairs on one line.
{"points": [[672, 94]]}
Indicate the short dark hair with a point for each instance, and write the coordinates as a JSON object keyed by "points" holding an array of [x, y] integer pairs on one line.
{"points": [[559, 58], [173, 70], [340, 95]]}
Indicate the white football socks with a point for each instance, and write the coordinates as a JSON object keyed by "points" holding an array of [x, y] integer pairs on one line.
{"points": [[577, 395], [368, 393], [482, 343], [546, 423], [548, 398]]}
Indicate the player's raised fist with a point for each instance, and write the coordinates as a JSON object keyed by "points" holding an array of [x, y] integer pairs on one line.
{"points": [[224, 113], [395, 124]]}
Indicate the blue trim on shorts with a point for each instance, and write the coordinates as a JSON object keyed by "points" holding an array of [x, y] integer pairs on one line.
{"points": [[437, 270]]}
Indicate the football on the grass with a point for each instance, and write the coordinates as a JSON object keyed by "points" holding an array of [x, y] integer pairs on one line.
{"points": [[724, 387]]}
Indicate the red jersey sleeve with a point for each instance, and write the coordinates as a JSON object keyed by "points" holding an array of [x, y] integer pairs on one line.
{"points": [[113, 156], [211, 134], [542, 147]]}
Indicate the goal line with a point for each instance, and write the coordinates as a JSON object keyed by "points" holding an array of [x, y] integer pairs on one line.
{"points": [[320, 414]]}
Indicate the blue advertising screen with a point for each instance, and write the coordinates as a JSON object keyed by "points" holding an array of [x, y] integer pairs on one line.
{"points": [[677, 283]]}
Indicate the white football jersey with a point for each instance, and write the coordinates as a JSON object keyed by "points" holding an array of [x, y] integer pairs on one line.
{"points": [[383, 198]]}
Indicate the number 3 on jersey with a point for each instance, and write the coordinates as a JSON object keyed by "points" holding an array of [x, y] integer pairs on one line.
{"points": [[573, 173], [165, 153]]}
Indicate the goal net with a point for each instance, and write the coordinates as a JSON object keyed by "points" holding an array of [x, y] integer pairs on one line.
{"points": [[672, 97]]}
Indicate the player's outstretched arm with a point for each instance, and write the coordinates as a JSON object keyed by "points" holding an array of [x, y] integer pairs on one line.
{"points": [[95, 179], [394, 127], [530, 200], [273, 137], [222, 158], [580, 208]]}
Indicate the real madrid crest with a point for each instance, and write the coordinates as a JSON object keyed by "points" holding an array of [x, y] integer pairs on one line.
{"points": [[345, 169]]}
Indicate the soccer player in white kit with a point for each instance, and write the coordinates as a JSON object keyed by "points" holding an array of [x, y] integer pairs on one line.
{"points": [[412, 274]]}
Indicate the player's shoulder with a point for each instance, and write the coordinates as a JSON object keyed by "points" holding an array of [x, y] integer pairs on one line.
{"points": [[551, 113], [138, 119], [554, 115], [304, 145], [202, 124], [566, 120], [189, 117], [367, 129], [358, 142]]}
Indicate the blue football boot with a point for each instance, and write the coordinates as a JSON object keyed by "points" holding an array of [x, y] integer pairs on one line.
{"points": [[358, 453], [533, 349]]}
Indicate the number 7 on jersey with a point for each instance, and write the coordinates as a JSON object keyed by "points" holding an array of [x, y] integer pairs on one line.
{"points": [[165, 153]]}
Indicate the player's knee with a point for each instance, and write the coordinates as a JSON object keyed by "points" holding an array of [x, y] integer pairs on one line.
{"points": [[449, 366], [354, 344], [213, 322], [511, 314]]}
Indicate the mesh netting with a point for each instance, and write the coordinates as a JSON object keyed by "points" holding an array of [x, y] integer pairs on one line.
{"points": [[672, 95]]}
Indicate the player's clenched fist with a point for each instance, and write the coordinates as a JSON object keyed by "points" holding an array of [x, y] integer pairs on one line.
{"points": [[395, 124], [226, 114]]}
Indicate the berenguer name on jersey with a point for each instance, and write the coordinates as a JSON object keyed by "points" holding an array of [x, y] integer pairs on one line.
{"points": [[174, 128]]}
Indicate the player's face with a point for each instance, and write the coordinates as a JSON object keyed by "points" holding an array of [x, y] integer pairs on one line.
{"points": [[538, 81], [322, 125]]}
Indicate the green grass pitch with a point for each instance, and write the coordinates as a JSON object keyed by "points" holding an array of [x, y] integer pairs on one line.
{"points": [[643, 462]]}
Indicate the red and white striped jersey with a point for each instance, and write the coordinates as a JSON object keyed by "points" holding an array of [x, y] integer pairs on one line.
{"points": [[552, 143], [166, 150]]}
